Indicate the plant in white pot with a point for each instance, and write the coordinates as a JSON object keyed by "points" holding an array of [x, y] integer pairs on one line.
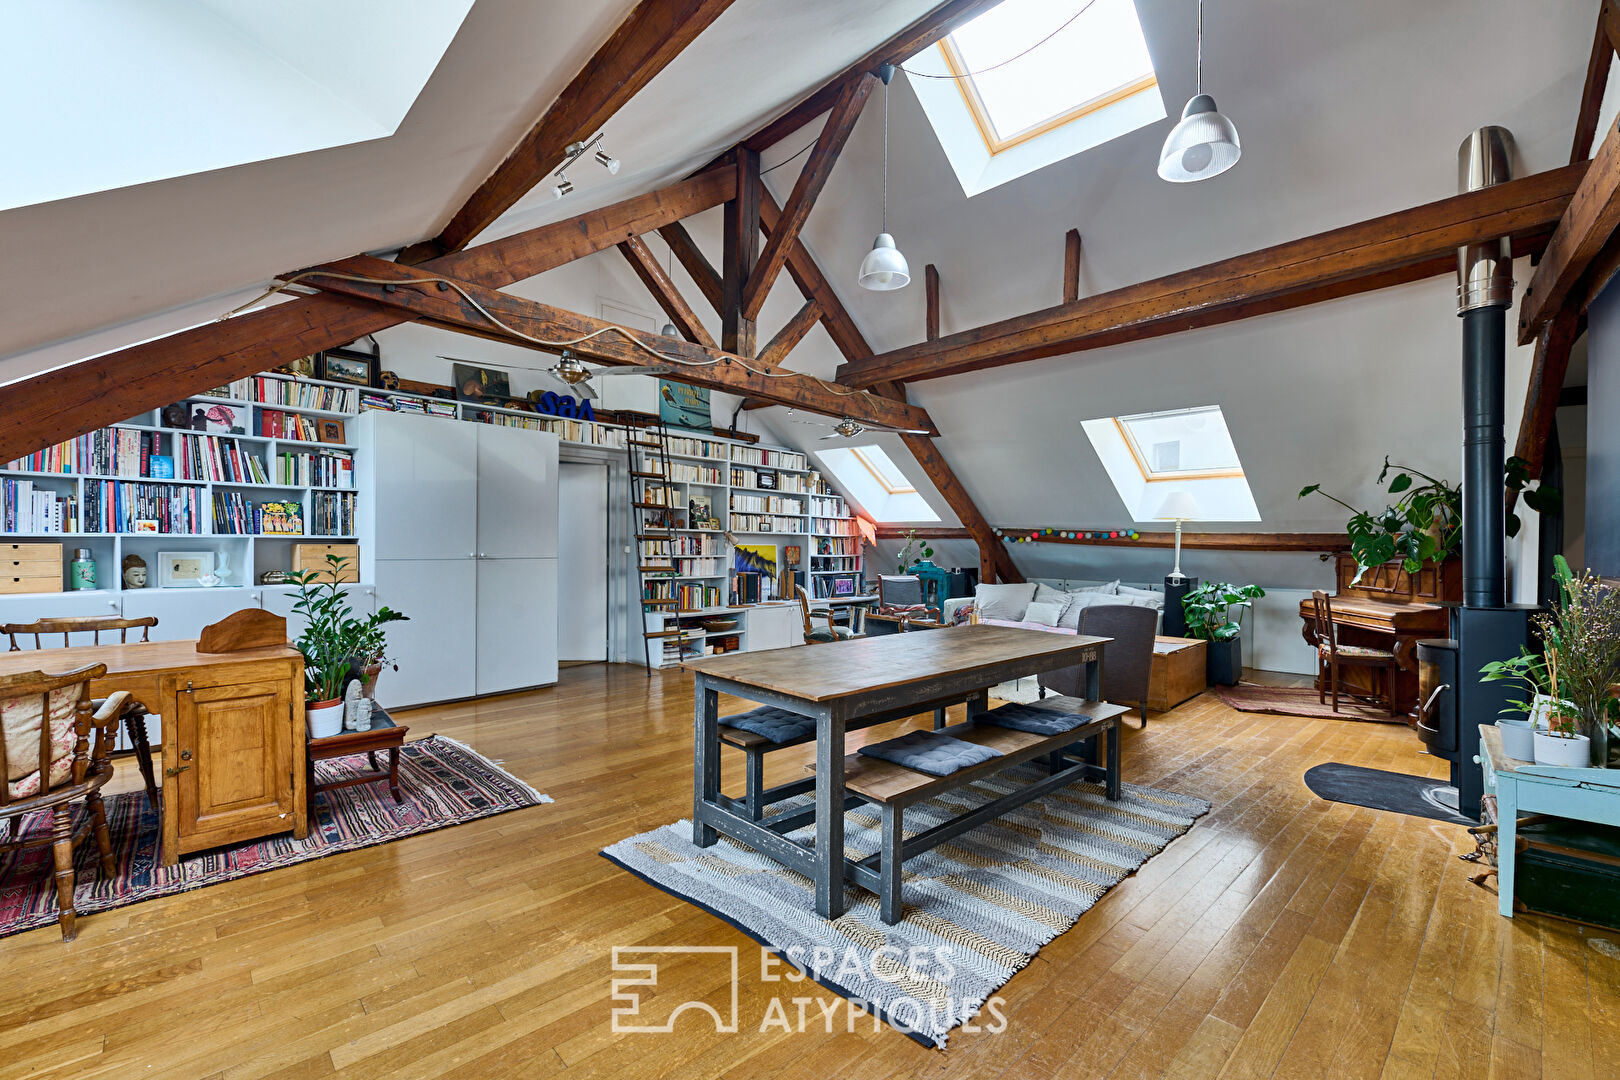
{"points": [[333, 641], [1582, 637], [1517, 723]]}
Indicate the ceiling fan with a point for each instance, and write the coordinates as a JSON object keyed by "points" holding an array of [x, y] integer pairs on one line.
{"points": [[575, 375], [848, 427]]}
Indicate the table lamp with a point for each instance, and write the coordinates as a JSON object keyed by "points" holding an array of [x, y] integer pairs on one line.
{"points": [[1178, 506]]}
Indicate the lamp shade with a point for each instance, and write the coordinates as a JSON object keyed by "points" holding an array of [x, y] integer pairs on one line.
{"points": [[884, 267], [1179, 505], [1203, 143]]}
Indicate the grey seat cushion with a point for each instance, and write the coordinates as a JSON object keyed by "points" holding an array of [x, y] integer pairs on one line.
{"points": [[931, 753], [777, 725], [837, 633], [1033, 719]]}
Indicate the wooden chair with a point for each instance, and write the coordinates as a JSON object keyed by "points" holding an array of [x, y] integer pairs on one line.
{"points": [[47, 762], [831, 632], [1332, 656], [134, 715], [901, 595]]}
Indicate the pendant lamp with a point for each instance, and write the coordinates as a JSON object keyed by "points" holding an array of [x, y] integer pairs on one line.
{"points": [[884, 268], [1204, 143]]}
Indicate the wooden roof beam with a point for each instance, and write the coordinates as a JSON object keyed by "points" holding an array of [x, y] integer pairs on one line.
{"points": [[1583, 232], [1605, 41], [651, 36], [691, 257], [461, 305], [777, 349], [1071, 266], [658, 282], [1393, 249], [931, 302], [1547, 373]]}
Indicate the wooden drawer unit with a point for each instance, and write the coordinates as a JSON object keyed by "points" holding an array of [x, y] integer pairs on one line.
{"points": [[313, 557], [1178, 672], [30, 568]]}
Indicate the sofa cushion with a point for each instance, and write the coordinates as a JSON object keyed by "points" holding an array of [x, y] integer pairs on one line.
{"points": [[931, 753], [1078, 602], [1131, 590], [1003, 601], [1044, 614]]}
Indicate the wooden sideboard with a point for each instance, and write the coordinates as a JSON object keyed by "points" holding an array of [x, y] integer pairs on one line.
{"points": [[233, 733]]}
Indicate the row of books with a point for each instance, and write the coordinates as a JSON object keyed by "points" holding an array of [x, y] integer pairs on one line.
{"points": [[288, 426], [760, 523], [684, 472], [834, 563], [687, 566], [124, 506], [414, 406], [702, 448], [777, 459], [684, 545], [694, 597], [107, 452], [327, 468], [30, 509], [299, 395], [828, 506], [332, 513], [768, 480], [234, 515], [212, 457], [837, 545], [833, 526], [766, 504]]}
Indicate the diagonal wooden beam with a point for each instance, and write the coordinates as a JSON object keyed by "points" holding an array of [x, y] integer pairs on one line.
{"points": [[82, 397], [461, 305], [777, 349], [901, 47], [1547, 372], [741, 239], [658, 282], [1597, 79], [1405, 246], [1071, 266], [651, 36], [1583, 232], [807, 275], [697, 265], [931, 302], [812, 178]]}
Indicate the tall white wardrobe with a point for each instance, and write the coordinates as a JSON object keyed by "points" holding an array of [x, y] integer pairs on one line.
{"points": [[458, 529]]}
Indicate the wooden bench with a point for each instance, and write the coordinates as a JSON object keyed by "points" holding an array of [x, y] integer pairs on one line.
{"points": [[894, 787]]}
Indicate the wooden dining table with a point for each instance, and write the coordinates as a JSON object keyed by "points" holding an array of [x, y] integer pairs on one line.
{"points": [[849, 684]]}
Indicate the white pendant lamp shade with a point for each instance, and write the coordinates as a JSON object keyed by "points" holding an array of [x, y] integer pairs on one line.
{"points": [[1179, 505], [1204, 143], [884, 268]]}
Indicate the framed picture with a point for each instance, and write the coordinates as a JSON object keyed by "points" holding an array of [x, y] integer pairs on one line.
{"points": [[699, 509], [304, 367], [474, 383], [767, 481], [755, 559], [220, 420], [183, 569], [330, 431], [683, 406], [144, 525], [843, 586], [339, 365], [793, 554]]}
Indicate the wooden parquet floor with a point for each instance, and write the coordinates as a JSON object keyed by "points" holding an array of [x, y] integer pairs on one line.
{"points": [[1283, 936]]}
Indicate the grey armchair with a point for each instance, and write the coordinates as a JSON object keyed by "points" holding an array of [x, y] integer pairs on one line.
{"points": [[1127, 658]]}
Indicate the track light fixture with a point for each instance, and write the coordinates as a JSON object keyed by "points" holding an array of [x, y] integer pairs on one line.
{"points": [[562, 187], [576, 150], [607, 161]]}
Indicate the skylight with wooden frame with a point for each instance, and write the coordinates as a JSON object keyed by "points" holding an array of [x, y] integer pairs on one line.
{"points": [[1032, 82], [876, 485], [1148, 455]]}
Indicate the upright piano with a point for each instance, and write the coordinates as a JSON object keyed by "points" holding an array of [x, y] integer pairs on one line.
{"points": [[1392, 610]]}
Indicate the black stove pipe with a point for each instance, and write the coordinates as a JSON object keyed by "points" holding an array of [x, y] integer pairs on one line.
{"points": [[1484, 510]]}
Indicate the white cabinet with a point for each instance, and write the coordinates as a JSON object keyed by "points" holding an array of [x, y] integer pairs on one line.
{"points": [[280, 599], [32, 607], [182, 613], [517, 493], [425, 478], [435, 648], [773, 627], [517, 624]]}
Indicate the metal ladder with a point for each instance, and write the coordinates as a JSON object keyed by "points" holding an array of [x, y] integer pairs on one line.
{"points": [[653, 517]]}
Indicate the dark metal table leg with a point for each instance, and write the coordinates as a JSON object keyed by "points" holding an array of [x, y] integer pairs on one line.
{"points": [[705, 759], [830, 813]]}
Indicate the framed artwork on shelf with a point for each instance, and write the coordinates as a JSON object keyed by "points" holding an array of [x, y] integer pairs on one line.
{"points": [[304, 367], [347, 366], [146, 525], [793, 554], [755, 559], [683, 406], [843, 586], [330, 431], [184, 569], [486, 385], [699, 511], [767, 481]]}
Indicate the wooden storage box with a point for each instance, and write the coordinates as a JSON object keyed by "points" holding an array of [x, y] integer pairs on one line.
{"points": [[1177, 673], [30, 568], [313, 557]]}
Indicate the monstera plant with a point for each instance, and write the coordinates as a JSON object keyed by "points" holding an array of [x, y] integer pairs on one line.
{"points": [[1424, 524]]}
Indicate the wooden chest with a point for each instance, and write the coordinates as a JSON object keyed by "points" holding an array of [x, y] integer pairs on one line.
{"points": [[313, 557], [30, 568], [1178, 671]]}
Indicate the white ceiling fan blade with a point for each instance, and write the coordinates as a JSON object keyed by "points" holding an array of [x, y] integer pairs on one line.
{"points": [[555, 385], [873, 426], [644, 370], [809, 423], [834, 435]]}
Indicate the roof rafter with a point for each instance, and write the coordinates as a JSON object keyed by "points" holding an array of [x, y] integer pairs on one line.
{"points": [[658, 282], [1583, 232]]}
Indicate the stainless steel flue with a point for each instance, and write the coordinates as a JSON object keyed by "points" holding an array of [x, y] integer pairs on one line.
{"points": [[1485, 269]]}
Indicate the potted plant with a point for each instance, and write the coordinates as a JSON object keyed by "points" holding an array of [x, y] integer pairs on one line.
{"points": [[1214, 612], [1424, 525], [914, 551], [1582, 638], [1517, 723], [333, 642]]}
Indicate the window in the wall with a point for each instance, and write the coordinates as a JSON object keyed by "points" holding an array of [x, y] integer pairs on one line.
{"points": [[1032, 82], [1149, 455], [876, 484]]}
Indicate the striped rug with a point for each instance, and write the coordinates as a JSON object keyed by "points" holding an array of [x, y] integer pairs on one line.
{"points": [[443, 783], [976, 908]]}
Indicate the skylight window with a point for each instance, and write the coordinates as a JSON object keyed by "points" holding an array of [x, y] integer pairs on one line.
{"points": [[1085, 61], [1032, 82], [1149, 455], [876, 485]]}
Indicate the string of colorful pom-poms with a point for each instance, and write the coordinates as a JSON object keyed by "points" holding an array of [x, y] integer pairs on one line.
{"points": [[1019, 536]]}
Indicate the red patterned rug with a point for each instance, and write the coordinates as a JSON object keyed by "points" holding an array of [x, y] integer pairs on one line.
{"points": [[1300, 701], [444, 783]]}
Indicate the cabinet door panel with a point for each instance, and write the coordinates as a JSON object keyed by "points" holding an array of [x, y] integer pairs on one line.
{"points": [[182, 613], [275, 599], [235, 761], [517, 493], [426, 487], [435, 647], [31, 607], [517, 624]]}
